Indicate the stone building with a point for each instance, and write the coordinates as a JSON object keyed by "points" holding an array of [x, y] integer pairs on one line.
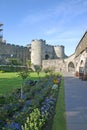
{"points": [[46, 55]]}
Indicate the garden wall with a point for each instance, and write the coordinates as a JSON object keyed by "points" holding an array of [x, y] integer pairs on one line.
{"points": [[58, 64]]}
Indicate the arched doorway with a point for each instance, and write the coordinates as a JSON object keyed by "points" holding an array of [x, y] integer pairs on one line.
{"points": [[71, 67], [81, 67], [81, 63], [46, 57]]}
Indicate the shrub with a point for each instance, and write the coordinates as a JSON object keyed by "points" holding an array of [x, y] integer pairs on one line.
{"points": [[35, 121]]}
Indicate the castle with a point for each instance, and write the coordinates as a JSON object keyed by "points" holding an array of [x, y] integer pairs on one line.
{"points": [[46, 55], [41, 51]]}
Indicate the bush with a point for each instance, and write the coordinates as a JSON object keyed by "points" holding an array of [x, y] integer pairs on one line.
{"points": [[11, 68]]}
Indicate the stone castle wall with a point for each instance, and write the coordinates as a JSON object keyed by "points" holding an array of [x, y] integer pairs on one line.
{"points": [[59, 65], [13, 51]]}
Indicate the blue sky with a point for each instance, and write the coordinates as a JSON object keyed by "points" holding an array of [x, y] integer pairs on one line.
{"points": [[59, 22]]}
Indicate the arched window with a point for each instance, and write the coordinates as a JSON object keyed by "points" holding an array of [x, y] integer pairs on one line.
{"points": [[71, 67]]}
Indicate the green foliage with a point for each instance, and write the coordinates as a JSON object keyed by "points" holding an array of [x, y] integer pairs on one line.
{"points": [[49, 70], [23, 74], [1, 71], [37, 69], [2, 100], [46, 70], [13, 61], [11, 68], [35, 121], [28, 63]]}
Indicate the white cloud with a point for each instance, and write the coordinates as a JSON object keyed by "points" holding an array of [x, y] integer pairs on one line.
{"points": [[56, 17]]}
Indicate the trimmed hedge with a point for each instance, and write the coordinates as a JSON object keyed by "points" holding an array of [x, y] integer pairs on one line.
{"points": [[11, 68]]}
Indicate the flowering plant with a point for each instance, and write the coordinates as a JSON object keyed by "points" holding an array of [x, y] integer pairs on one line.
{"points": [[56, 81], [55, 86]]}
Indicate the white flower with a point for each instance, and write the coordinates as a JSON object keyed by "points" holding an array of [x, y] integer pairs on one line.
{"points": [[55, 86]]}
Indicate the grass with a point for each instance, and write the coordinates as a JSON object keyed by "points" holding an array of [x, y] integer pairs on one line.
{"points": [[59, 122], [10, 81]]}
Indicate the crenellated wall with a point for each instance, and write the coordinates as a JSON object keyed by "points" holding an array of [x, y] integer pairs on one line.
{"points": [[13, 51]]}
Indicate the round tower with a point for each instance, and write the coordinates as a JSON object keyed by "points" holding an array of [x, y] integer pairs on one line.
{"points": [[36, 52], [59, 51]]}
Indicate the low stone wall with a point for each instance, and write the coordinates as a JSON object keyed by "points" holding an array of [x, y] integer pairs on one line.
{"points": [[58, 64]]}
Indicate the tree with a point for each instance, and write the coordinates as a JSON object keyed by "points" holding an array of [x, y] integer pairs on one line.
{"points": [[37, 69], [46, 70], [49, 70], [28, 63], [23, 74]]}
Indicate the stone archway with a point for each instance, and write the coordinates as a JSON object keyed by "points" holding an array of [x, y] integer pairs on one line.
{"points": [[71, 67], [46, 57]]}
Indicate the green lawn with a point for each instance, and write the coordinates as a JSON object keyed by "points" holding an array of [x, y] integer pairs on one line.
{"points": [[59, 122], [11, 81]]}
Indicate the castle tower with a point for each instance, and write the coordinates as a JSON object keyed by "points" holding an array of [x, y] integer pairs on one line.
{"points": [[59, 51], [36, 52], [1, 30]]}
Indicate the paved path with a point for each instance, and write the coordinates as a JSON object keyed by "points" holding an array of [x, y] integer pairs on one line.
{"points": [[76, 103]]}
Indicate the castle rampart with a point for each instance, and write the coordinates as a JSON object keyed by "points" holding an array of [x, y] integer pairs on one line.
{"points": [[13, 51]]}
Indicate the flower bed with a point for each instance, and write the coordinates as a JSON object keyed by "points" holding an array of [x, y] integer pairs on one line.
{"points": [[35, 108]]}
